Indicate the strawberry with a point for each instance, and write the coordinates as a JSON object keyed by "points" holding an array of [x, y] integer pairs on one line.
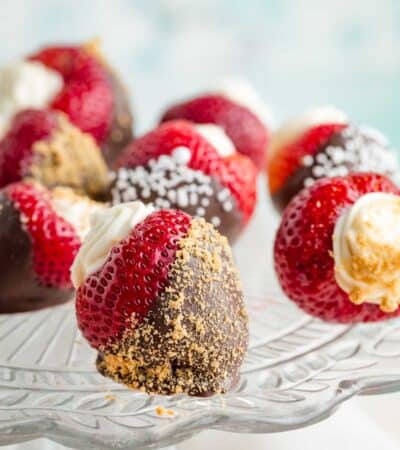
{"points": [[303, 247], [243, 127], [87, 96], [158, 295], [129, 282], [55, 242], [322, 143], [44, 145], [27, 127], [284, 161], [234, 172]]}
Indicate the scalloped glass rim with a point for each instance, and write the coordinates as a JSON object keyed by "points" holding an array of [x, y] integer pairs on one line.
{"points": [[298, 370]]}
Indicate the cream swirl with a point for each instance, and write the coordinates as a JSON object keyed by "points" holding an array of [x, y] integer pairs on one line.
{"points": [[366, 250], [25, 84], [217, 137], [108, 228]]}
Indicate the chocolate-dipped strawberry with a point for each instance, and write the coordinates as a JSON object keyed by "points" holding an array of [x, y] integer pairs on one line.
{"points": [[45, 146], [120, 131], [189, 167], [40, 234], [235, 111], [159, 297], [76, 81], [91, 95], [337, 250], [323, 143]]}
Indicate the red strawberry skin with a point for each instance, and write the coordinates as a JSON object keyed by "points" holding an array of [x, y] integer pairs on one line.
{"points": [[283, 162], [28, 126], [128, 284], [303, 248], [87, 96], [55, 243], [236, 172], [246, 131]]}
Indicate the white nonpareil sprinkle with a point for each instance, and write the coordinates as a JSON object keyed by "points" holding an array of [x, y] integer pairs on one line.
{"points": [[308, 182], [200, 212], [182, 198], [181, 155], [307, 160], [169, 182], [216, 221], [223, 195], [227, 206], [364, 150]]}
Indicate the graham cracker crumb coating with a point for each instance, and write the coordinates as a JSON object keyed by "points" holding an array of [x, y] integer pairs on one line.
{"points": [[195, 338], [70, 158], [376, 265]]}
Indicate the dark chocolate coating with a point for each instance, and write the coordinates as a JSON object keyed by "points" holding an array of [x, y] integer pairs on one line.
{"points": [[231, 222], [292, 186], [20, 289], [120, 133], [295, 183], [197, 330]]}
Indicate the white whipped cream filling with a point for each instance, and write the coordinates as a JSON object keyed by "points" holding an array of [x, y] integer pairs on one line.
{"points": [[25, 84], [75, 209], [217, 137], [369, 230], [295, 128], [242, 92], [108, 227]]}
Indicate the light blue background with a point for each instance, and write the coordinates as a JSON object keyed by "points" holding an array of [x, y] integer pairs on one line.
{"points": [[296, 53]]}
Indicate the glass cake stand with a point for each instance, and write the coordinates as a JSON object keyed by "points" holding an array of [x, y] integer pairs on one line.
{"points": [[298, 371]]}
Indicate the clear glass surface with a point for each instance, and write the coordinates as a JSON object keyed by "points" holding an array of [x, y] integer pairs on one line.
{"points": [[298, 370]]}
